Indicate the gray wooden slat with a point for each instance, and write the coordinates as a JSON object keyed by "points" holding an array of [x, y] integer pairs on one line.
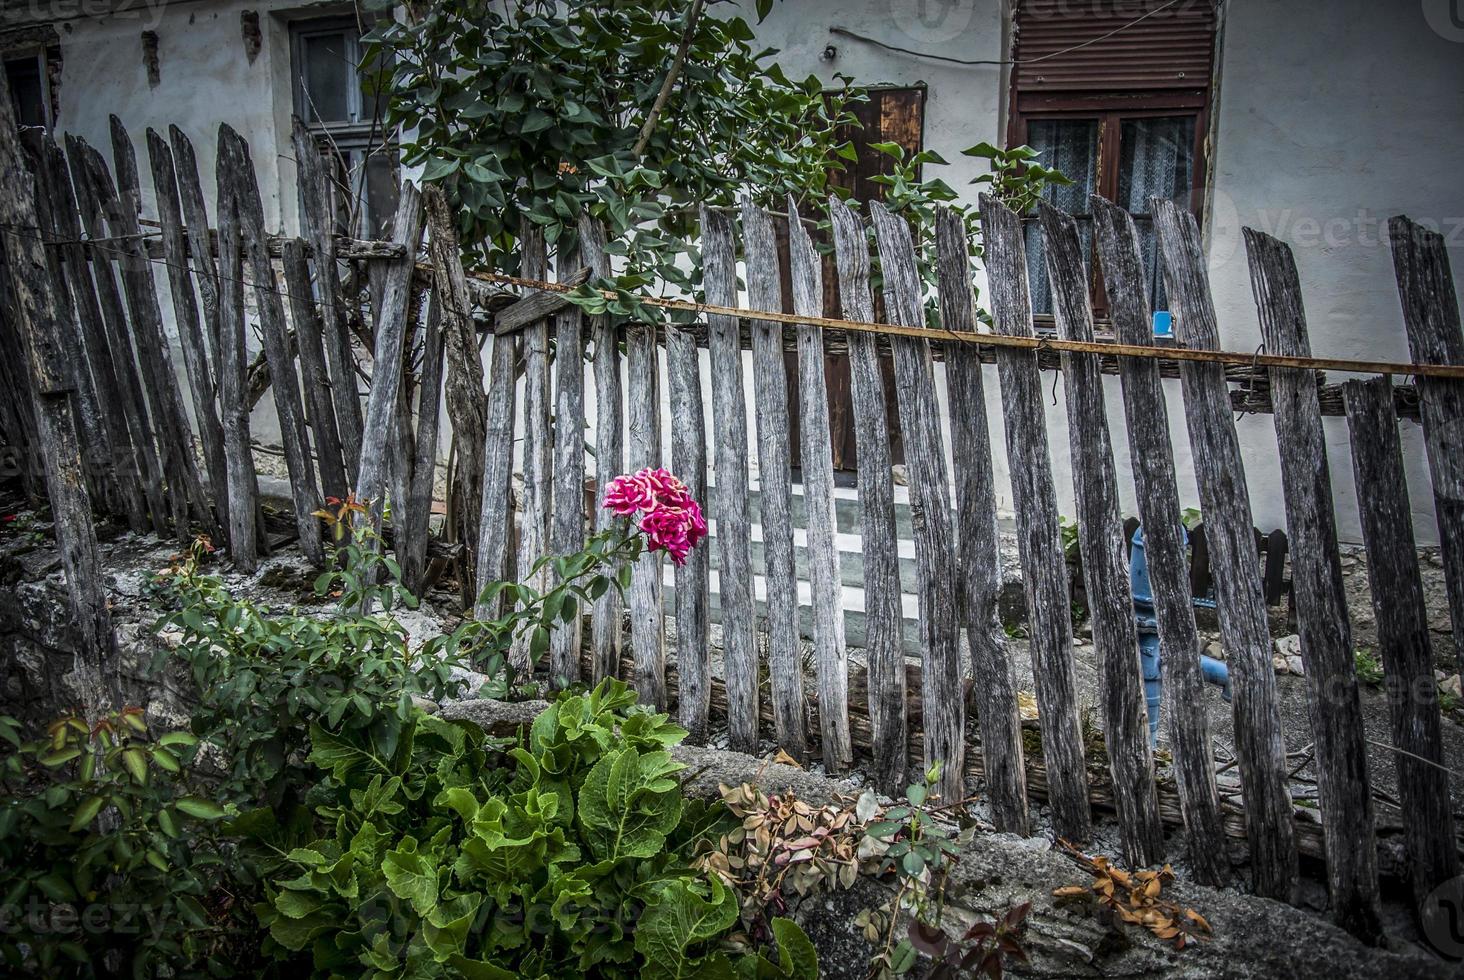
{"points": [[386, 379], [643, 449], [94, 438], [314, 374], [495, 521], [1044, 572], [538, 438], [243, 487], [775, 483], [289, 410], [831, 656], [734, 524], [36, 312], [1343, 791], [1404, 641], [126, 459], [1101, 544], [317, 222], [200, 245], [1431, 316], [185, 317], [539, 304], [605, 621], [1230, 535], [884, 623], [175, 439], [413, 550], [979, 560], [567, 530], [943, 702], [466, 407], [693, 578], [1152, 459]]}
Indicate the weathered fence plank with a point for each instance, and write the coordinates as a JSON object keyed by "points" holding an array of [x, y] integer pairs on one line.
{"points": [[693, 579], [200, 245], [1403, 634], [289, 410], [775, 484], [96, 346], [413, 550], [1101, 544], [734, 524], [114, 324], [175, 439], [1343, 790], [533, 523], [643, 449], [185, 316], [386, 379], [605, 625], [1152, 458], [466, 407], [883, 620], [36, 313], [567, 530], [314, 375], [495, 521], [1044, 572], [317, 220], [942, 700], [1230, 535], [977, 540], [1431, 315], [243, 486], [831, 656]]}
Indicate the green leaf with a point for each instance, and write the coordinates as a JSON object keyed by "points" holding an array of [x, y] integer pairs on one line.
{"points": [[136, 762], [630, 803], [446, 928], [198, 808], [86, 813], [684, 917], [411, 876]]}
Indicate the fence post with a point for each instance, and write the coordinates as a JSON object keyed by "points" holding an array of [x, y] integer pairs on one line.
{"points": [[567, 530], [1152, 455], [883, 619], [495, 516], [1101, 545], [605, 625], [1044, 572], [942, 701], [1343, 791], [1403, 634], [314, 375], [693, 579], [979, 561], [734, 524], [317, 222], [538, 443], [775, 483], [1230, 535], [1431, 315], [643, 449]]}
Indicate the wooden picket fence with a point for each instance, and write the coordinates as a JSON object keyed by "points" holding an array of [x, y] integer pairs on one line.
{"points": [[315, 298]]}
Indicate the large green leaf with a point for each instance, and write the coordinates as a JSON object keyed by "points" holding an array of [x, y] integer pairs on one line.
{"points": [[681, 920], [629, 803], [411, 875]]}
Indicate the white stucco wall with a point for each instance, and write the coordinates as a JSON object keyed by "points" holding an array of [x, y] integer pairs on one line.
{"points": [[1331, 116]]}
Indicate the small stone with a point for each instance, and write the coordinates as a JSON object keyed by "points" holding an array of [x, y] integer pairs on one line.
{"points": [[1439, 675], [1452, 685], [900, 475], [427, 705], [1214, 650], [1288, 646], [1294, 665], [1279, 663]]}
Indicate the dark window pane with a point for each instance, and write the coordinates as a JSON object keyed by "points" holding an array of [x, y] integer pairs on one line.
{"points": [[326, 77], [381, 192], [1156, 159], [26, 90], [1070, 146]]}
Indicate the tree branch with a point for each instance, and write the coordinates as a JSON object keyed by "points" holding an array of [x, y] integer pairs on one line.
{"points": [[663, 96]]}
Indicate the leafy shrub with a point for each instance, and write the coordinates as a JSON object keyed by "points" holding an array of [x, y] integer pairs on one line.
{"points": [[107, 865], [565, 852]]}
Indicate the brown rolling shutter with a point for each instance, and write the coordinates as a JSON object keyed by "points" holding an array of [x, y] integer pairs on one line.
{"points": [[1172, 48]]}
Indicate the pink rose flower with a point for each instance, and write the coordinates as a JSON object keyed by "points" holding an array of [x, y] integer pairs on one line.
{"points": [[669, 518]]}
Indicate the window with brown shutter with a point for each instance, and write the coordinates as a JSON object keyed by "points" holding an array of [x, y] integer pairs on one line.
{"points": [[1116, 95]]}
